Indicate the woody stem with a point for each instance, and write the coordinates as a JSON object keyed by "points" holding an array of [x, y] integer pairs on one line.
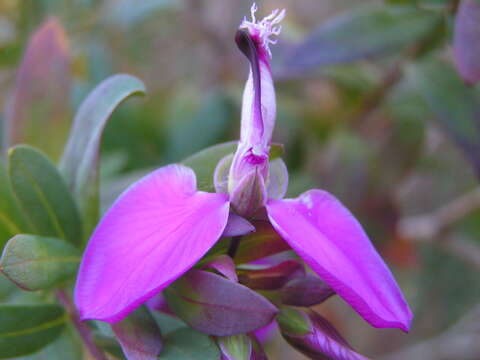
{"points": [[82, 328], [234, 243]]}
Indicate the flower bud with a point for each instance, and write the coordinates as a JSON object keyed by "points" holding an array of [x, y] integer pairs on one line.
{"points": [[250, 194], [306, 291], [259, 105], [314, 336], [240, 347], [273, 277], [237, 347]]}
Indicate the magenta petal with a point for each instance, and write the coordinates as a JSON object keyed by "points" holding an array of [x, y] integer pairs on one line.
{"points": [[332, 242], [156, 231]]}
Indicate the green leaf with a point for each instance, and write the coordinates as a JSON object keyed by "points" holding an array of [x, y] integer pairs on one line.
{"points": [[25, 329], [363, 33], [66, 346], [105, 338], [35, 262], [188, 344], [79, 162], [403, 2], [455, 106], [434, 4], [127, 13], [12, 221], [167, 323], [276, 151], [43, 195], [186, 129], [205, 162], [7, 288], [109, 344], [293, 321]]}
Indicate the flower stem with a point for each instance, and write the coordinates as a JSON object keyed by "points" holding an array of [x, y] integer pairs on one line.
{"points": [[234, 243], [82, 328]]}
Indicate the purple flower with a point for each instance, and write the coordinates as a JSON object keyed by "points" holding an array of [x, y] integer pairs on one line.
{"points": [[162, 225]]}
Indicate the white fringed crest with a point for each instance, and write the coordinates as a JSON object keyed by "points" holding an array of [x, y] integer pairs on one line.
{"points": [[265, 28]]}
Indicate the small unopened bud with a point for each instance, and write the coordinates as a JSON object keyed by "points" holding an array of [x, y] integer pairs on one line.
{"points": [[249, 195], [241, 347], [273, 277], [314, 336], [237, 347], [293, 322], [306, 291]]}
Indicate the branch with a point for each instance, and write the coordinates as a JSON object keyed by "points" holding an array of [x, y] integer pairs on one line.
{"points": [[429, 226], [458, 342], [82, 328], [462, 248], [435, 228], [392, 77]]}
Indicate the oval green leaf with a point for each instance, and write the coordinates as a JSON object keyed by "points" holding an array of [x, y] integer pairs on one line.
{"points": [[25, 329], [66, 346], [79, 162], [188, 344], [12, 221], [205, 162], [43, 195], [36, 262]]}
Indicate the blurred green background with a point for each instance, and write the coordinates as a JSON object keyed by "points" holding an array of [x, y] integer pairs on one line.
{"points": [[369, 108]]}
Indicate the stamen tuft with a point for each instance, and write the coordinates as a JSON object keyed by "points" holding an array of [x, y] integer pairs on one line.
{"points": [[264, 28]]}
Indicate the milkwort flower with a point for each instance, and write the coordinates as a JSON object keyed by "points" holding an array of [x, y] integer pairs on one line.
{"points": [[162, 225]]}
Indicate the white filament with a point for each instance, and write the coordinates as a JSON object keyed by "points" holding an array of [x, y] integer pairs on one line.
{"points": [[265, 28]]}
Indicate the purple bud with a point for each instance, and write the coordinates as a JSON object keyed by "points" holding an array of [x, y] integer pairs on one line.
{"points": [[314, 336], [272, 278], [466, 42], [306, 291], [249, 195], [259, 104]]}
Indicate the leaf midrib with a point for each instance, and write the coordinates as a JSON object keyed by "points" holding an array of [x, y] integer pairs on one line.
{"points": [[44, 259], [34, 329], [43, 200]]}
